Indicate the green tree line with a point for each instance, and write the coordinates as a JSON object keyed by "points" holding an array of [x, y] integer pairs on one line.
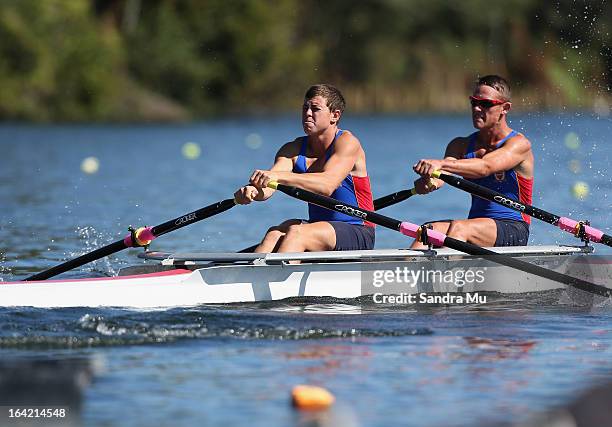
{"points": [[106, 60]]}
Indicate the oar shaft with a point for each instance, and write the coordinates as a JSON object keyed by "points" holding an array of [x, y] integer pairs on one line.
{"points": [[392, 199], [190, 218], [338, 206], [380, 203], [565, 224], [494, 196], [437, 238], [143, 237], [79, 261], [528, 267]]}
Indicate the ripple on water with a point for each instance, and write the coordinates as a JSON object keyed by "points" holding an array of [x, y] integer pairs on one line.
{"points": [[291, 319], [82, 327]]}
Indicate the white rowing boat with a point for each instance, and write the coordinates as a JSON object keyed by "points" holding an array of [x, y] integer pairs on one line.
{"points": [[179, 280]]}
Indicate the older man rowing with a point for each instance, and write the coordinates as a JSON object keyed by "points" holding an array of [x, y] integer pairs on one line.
{"points": [[496, 157]]}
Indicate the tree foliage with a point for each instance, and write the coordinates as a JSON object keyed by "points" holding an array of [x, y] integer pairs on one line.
{"points": [[93, 60], [54, 61]]}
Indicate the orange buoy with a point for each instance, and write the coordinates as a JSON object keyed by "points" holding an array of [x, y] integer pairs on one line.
{"points": [[311, 397]]}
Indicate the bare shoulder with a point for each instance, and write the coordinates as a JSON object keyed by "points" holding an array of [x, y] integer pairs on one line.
{"points": [[519, 141], [349, 148], [348, 141], [457, 147], [290, 149]]}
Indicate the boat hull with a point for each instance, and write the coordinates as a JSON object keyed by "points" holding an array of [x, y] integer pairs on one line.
{"points": [[184, 282]]}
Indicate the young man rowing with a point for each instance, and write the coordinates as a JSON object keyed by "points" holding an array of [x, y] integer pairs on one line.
{"points": [[495, 157], [328, 161]]}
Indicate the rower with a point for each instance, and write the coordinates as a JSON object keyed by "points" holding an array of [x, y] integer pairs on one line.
{"points": [[495, 157], [327, 161]]}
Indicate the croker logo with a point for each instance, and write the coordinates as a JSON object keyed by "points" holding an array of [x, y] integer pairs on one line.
{"points": [[500, 176], [187, 218], [351, 211], [510, 203]]}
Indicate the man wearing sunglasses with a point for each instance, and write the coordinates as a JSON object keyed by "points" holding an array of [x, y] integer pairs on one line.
{"points": [[496, 157]]}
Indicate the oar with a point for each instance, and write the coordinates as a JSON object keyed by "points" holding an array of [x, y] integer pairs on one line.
{"points": [[141, 237], [437, 238], [394, 198], [379, 203], [566, 224]]}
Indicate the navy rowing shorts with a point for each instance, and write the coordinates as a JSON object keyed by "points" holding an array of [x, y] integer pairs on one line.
{"points": [[353, 237], [511, 233]]}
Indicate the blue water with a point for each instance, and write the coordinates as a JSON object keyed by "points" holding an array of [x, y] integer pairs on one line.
{"points": [[498, 363]]}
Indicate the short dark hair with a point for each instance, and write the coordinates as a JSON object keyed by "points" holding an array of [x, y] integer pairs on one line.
{"points": [[496, 82], [335, 100]]}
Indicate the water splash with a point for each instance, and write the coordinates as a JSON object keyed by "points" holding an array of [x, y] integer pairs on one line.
{"points": [[94, 240]]}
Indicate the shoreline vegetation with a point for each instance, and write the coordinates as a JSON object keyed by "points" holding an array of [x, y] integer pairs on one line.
{"points": [[182, 60]]}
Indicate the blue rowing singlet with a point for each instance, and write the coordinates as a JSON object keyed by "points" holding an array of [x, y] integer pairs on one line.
{"points": [[354, 191], [508, 183]]}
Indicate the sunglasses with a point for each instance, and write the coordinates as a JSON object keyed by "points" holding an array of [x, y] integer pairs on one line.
{"points": [[485, 103]]}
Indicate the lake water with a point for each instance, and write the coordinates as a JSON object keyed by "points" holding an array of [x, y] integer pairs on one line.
{"points": [[494, 364]]}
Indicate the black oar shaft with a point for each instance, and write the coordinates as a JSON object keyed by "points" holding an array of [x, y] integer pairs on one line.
{"points": [[471, 249], [527, 267], [338, 206], [158, 230], [392, 199], [494, 196], [190, 218], [77, 262], [380, 203]]}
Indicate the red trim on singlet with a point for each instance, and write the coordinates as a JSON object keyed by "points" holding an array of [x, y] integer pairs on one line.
{"points": [[525, 193], [363, 193]]}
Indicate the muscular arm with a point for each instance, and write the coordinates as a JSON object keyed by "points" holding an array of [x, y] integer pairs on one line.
{"points": [[338, 166], [426, 184], [283, 162], [509, 156]]}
